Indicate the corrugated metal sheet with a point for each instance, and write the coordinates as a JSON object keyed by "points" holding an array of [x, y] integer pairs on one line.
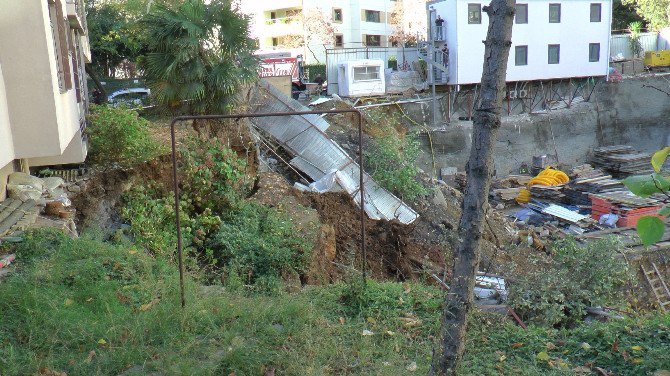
{"points": [[620, 44], [563, 213], [315, 154]]}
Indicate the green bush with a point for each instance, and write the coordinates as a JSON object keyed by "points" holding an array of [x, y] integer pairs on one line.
{"points": [[258, 244], [391, 160], [118, 136], [312, 70], [557, 290]]}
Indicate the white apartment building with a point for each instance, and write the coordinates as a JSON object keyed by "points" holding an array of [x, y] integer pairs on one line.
{"points": [[43, 49], [356, 23], [551, 39]]}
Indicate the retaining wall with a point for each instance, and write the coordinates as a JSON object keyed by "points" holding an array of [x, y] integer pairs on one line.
{"points": [[626, 112]]}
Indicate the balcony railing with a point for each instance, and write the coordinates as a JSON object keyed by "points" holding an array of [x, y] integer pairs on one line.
{"points": [[77, 14], [276, 27], [283, 20]]}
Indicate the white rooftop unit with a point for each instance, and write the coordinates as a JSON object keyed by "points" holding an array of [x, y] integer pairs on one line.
{"points": [[357, 78]]}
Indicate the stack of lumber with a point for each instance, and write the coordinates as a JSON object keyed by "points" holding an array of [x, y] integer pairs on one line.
{"points": [[506, 194], [625, 204], [622, 160], [590, 182], [549, 193]]}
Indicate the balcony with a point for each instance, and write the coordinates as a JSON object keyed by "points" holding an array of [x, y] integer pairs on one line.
{"points": [[280, 4], [76, 15], [277, 27]]}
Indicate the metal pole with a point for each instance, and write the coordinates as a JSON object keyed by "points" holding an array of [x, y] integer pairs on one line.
{"points": [[361, 189], [175, 179], [176, 210]]}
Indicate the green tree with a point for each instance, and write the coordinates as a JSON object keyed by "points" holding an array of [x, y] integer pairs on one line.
{"points": [[114, 38], [651, 228], [655, 12], [199, 55], [623, 15]]}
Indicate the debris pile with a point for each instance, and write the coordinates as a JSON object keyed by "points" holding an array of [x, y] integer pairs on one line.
{"points": [[591, 199]]}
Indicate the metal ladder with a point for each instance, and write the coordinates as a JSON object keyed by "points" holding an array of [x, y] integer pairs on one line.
{"points": [[658, 286]]}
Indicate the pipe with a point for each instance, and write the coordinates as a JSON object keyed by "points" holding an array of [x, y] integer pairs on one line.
{"points": [[175, 180]]}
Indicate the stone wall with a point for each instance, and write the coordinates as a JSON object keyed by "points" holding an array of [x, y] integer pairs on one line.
{"points": [[626, 112]]}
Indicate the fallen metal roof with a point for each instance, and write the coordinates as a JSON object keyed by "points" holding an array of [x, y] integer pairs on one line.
{"points": [[315, 154]]}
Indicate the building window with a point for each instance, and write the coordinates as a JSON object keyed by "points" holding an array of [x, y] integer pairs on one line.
{"points": [[521, 55], [273, 15], [337, 15], [554, 53], [474, 13], [373, 40], [366, 73], [339, 40], [521, 16], [372, 16], [275, 42], [594, 52], [596, 11], [554, 13], [60, 30]]}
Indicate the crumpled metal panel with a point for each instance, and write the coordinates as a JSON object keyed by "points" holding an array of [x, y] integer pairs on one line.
{"points": [[315, 154]]}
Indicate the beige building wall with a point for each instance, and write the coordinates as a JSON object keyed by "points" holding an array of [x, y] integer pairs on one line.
{"points": [[6, 145], [6, 141], [41, 108]]}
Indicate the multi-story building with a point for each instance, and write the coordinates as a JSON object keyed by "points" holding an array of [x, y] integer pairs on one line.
{"points": [[277, 25], [551, 39], [43, 97]]}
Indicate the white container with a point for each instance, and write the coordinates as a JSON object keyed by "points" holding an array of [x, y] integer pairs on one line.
{"points": [[359, 78]]}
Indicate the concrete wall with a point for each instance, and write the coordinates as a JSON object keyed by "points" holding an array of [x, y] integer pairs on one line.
{"points": [[4, 174], [619, 113], [6, 143], [573, 34], [43, 119]]}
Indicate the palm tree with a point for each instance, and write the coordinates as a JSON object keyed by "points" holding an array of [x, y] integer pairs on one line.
{"points": [[199, 55]]}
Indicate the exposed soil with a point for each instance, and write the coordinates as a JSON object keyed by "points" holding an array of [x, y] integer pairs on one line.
{"points": [[394, 250]]}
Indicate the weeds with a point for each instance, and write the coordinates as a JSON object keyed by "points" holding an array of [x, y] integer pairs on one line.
{"points": [[86, 307], [558, 290], [391, 160], [119, 136]]}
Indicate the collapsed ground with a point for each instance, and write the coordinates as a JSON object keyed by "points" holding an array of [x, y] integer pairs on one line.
{"points": [[273, 280]]}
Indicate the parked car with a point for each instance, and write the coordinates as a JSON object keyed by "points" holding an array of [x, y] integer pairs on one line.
{"points": [[130, 97]]}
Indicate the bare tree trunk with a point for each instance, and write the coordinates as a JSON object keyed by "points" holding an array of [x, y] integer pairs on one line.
{"points": [[96, 81], [479, 169]]}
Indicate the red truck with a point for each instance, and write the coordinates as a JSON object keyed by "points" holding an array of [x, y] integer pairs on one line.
{"points": [[285, 66]]}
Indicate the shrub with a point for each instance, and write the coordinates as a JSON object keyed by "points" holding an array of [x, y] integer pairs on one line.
{"points": [[558, 290], [390, 159], [259, 245], [212, 175], [119, 136], [312, 70]]}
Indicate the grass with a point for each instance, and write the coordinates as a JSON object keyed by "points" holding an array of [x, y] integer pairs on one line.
{"points": [[87, 307]]}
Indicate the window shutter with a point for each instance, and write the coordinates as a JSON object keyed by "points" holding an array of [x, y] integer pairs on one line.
{"points": [[382, 17], [364, 39], [384, 41], [363, 15]]}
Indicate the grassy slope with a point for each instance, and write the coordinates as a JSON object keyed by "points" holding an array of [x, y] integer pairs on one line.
{"points": [[80, 306]]}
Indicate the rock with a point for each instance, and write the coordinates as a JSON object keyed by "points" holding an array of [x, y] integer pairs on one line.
{"points": [[74, 188], [278, 327], [52, 183], [412, 367]]}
